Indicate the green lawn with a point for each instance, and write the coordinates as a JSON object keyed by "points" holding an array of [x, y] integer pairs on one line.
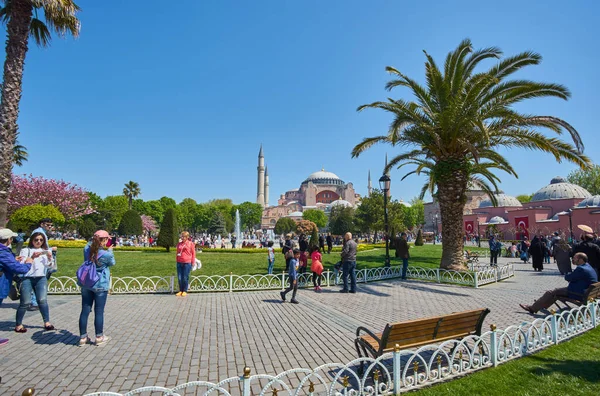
{"points": [[570, 368], [152, 263]]}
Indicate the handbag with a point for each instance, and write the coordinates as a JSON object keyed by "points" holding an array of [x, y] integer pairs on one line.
{"points": [[14, 292]]}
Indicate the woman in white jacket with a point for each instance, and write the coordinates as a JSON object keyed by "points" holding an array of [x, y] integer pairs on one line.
{"points": [[35, 280]]}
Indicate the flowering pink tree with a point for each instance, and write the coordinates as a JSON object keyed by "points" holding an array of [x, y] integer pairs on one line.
{"points": [[148, 223], [71, 200]]}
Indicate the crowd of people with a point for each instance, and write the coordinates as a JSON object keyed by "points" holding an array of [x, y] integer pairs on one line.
{"points": [[32, 267]]}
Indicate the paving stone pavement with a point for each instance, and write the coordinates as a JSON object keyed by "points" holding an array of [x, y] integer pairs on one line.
{"points": [[165, 341]]}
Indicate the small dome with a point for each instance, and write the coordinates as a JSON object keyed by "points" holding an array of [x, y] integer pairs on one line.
{"points": [[560, 189], [558, 179], [295, 214], [497, 220], [555, 217], [590, 202], [323, 177], [341, 202], [503, 201], [405, 204]]}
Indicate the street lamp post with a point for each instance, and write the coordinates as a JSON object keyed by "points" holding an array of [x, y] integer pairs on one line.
{"points": [[478, 235], [570, 211], [384, 185]]}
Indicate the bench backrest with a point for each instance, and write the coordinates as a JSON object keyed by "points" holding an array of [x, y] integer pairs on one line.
{"points": [[593, 291], [419, 331]]}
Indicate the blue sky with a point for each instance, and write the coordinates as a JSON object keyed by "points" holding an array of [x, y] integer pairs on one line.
{"points": [[179, 97]]}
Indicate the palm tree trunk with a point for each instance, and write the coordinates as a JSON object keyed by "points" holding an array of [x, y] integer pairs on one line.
{"points": [[16, 49], [451, 196]]}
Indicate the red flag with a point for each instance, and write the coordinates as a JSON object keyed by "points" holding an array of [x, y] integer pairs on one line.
{"points": [[469, 227], [522, 226]]}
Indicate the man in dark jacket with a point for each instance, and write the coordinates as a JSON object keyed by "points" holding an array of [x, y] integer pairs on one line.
{"points": [[9, 266], [588, 247], [402, 252], [349, 263], [579, 280], [329, 243]]}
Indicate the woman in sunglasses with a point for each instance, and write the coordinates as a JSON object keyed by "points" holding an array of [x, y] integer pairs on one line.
{"points": [[35, 280]]}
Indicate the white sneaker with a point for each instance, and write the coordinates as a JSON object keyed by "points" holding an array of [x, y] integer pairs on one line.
{"points": [[84, 341], [102, 340]]}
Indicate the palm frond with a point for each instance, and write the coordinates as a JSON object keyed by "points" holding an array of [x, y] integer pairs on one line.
{"points": [[367, 143], [39, 32]]}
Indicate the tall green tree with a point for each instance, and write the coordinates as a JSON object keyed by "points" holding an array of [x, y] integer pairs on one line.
{"points": [[112, 210], [316, 216], [169, 231], [458, 124], [369, 215], [217, 224], [131, 190], [588, 179], [284, 225], [341, 220], [131, 224], [250, 214], [187, 214], [24, 19]]}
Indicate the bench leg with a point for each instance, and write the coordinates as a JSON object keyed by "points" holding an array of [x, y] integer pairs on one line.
{"points": [[357, 346]]}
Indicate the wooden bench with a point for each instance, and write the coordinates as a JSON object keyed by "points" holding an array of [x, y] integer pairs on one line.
{"points": [[591, 293], [472, 257], [416, 333]]}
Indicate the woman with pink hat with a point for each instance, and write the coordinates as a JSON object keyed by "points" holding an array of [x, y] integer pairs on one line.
{"points": [[96, 296]]}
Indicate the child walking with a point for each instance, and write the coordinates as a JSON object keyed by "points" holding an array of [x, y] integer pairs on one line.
{"points": [[316, 267], [293, 278], [270, 257]]}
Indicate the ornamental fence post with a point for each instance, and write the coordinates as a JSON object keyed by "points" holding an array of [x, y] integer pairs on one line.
{"points": [[593, 304], [230, 282], [554, 327], [327, 277], [494, 345], [246, 382], [397, 369], [476, 279], [365, 271], [496, 270], [437, 272], [282, 280], [172, 284]]}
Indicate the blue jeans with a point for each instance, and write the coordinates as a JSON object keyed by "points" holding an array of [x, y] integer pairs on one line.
{"points": [[183, 276], [349, 269], [39, 285], [404, 267], [98, 300], [270, 267]]}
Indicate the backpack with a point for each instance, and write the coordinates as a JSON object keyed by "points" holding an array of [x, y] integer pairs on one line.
{"points": [[87, 274]]}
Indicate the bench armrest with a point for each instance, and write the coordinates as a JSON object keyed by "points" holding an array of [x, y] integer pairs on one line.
{"points": [[369, 332]]}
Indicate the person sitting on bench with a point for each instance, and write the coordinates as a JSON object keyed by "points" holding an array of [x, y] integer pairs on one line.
{"points": [[579, 280]]}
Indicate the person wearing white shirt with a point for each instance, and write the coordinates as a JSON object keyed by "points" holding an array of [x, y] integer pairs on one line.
{"points": [[35, 280]]}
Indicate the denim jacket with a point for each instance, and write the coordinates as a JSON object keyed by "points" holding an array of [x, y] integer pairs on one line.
{"points": [[106, 260]]}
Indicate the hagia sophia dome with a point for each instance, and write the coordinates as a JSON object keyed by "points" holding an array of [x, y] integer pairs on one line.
{"points": [[323, 177], [341, 202], [560, 188], [503, 201]]}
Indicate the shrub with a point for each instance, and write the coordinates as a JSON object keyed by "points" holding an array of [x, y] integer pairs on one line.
{"points": [[87, 228], [305, 227], [28, 217], [285, 225], [419, 240], [314, 239], [131, 223], [217, 224], [168, 237]]}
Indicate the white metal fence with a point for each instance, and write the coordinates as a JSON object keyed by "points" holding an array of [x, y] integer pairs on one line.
{"points": [[402, 370], [477, 276]]}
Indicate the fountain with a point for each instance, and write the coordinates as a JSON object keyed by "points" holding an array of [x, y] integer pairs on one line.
{"points": [[237, 230]]}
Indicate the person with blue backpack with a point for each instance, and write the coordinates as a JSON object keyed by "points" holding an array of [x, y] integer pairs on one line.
{"points": [[94, 278]]}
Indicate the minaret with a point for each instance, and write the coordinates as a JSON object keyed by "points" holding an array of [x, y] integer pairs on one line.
{"points": [[260, 185], [369, 186], [266, 187]]}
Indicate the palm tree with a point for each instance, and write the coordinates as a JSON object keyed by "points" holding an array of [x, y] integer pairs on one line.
{"points": [[20, 154], [131, 190], [23, 20], [459, 121]]}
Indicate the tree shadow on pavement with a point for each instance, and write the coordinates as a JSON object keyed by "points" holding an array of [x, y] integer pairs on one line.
{"points": [[424, 288], [55, 337]]}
